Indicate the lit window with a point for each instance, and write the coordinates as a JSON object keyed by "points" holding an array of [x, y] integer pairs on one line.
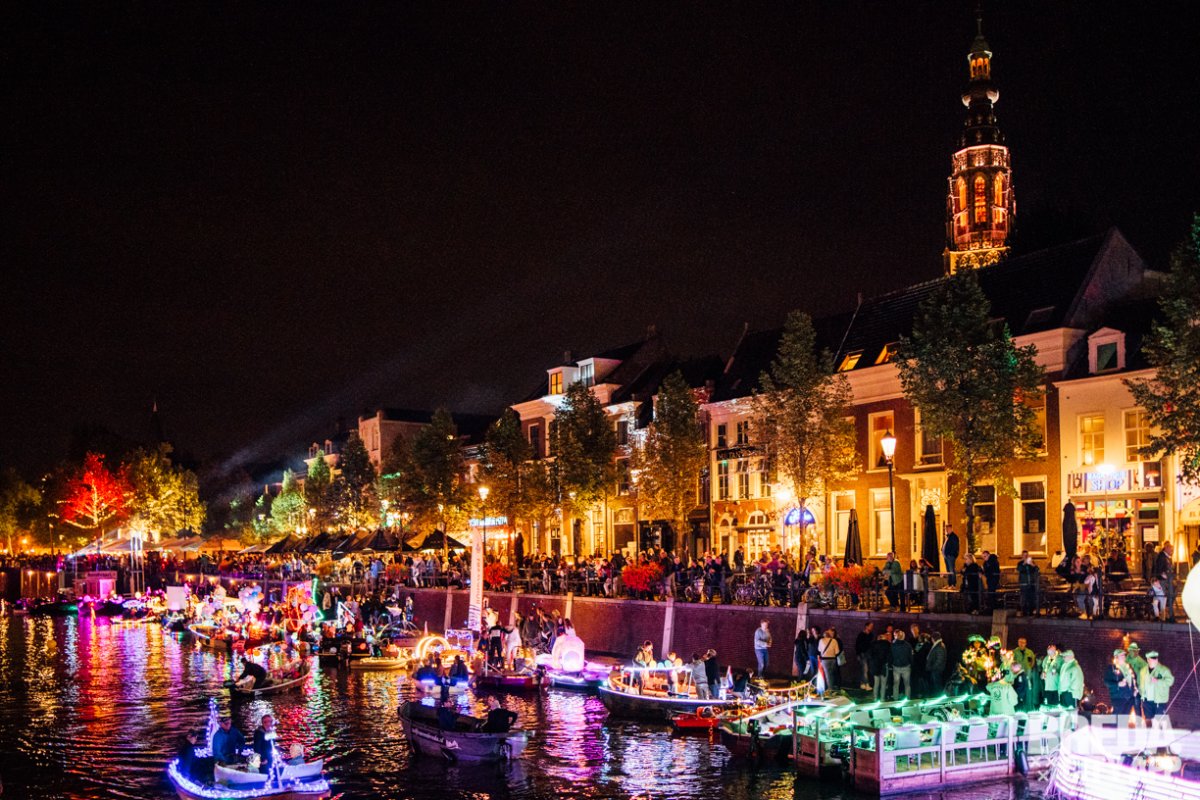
{"points": [[1032, 497], [556, 383], [980, 198], [1091, 439], [881, 424], [887, 353], [722, 480], [1137, 434], [961, 191], [743, 432], [985, 509], [881, 517], [999, 187], [850, 361], [929, 446]]}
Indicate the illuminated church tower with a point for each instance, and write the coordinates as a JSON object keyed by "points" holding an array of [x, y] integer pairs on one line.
{"points": [[981, 206]]}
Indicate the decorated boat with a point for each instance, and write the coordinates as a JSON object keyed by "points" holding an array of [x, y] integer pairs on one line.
{"points": [[702, 719], [284, 781], [764, 732], [61, 607], [276, 686], [655, 693], [504, 680], [380, 663], [465, 742]]}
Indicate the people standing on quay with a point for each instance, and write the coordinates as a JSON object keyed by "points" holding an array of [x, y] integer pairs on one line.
{"points": [[1164, 570], [828, 649], [902, 657], [762, 646], [880, 658], [862, 652], [950, 554], [935, 664], [1154, 682]]}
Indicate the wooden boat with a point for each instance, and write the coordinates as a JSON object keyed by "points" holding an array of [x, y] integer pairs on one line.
{"points": [[276, 686], [464, 743], [300, 782], [764, 732], [645, 693], [507, 681], [380, 663], [583, 680]]}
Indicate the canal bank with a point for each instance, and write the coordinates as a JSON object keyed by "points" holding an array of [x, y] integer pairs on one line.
{"points": [[617, 626]]}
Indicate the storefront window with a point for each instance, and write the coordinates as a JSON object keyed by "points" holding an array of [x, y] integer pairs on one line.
{"points": [[881, 518]]}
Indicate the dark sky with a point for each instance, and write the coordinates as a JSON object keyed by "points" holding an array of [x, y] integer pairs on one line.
{"points": [[270, 216]]}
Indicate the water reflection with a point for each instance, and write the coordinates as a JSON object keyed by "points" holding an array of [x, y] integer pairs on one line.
{"points": [[91, 710]]}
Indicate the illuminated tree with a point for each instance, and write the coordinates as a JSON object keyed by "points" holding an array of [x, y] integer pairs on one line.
{"points": [[354, 487], [318, 491], [431, 472], [520, 486], [288, 509], [802, 415], [94, 496], [1172, 397], [671, 456], [973, 386], [584, 446], [164, 498]]}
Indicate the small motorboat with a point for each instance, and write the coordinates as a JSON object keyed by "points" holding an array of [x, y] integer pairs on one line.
{"points": [[298, 782], [655, 693], [276, 686], [52, 608], [702, 719], [465, 742], [581, 680], [380, 663], [502, 680]]}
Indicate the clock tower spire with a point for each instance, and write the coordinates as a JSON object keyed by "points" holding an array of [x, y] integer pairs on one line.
{"points": [[980, 206]]}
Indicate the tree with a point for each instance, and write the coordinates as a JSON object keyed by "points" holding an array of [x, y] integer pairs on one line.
{"points": [[1172, 397], [318, 490], [288, 509], [671, 456], [94, 496], [19, 503], [584, 446], [431, 471], [973, 387], [505, 454], [354, 488], [164, 498], [802, 414]]}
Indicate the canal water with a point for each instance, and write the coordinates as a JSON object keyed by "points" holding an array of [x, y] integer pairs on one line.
{"points": [[91, 710]]}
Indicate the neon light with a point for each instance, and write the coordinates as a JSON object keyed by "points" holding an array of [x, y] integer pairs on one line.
{"points": [[316, 787]]}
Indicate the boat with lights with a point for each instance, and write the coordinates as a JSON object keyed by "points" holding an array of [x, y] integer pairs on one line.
{"points": [[276, 686], [655, 693], [505, 680], [381, 663], [464, 743]]}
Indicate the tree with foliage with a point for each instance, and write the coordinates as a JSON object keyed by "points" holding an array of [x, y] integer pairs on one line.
{"points": [[973, 387], [1172, 397], [354, 487], [431, 472], [584, 447], [669, 459], [318, 491], [94, 497], [802, 415], [288, 509], [164, 498], [520, 486], [19, 502]]}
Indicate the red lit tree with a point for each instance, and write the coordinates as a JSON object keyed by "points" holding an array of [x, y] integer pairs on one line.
{"points": [[94, 496]]}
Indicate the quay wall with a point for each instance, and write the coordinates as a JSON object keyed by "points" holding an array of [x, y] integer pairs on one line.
{"points": [[617, 626]]}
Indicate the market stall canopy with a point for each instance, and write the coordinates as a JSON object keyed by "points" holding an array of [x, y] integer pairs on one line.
{"points": [[320, 542], [290, 542], [181, 545], [381, 541], [262, 547], [220, 544], [438, 540]]}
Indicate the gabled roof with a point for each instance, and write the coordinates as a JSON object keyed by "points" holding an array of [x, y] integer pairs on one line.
{"points": [[469, 426], [635, 358], [697, 372], [1071, 285]]}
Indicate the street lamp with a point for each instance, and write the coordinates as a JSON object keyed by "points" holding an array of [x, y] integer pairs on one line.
{"points": [[888, 443], [483, 493]]}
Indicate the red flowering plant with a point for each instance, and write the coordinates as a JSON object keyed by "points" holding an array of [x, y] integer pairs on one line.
{"points": [[496, 574], [642, 577], [851, 579]]}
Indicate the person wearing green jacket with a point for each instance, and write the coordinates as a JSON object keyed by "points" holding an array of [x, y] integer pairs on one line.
{"points": [[1070, 681], [1050, 666], [1003, 697], [893, 577], [1155, 682]]}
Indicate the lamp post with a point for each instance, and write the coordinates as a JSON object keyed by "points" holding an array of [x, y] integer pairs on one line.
{"points": [[483, 493], [1105, 470], [888, 443]]}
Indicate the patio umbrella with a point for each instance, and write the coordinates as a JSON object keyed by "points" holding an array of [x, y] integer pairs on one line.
{"points": [[1070, 532], [287, 542], [854, 553], [438, 540], [518, 548], [929, 539]]}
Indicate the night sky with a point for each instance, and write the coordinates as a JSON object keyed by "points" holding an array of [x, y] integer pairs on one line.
{"points": [[268, 217]]}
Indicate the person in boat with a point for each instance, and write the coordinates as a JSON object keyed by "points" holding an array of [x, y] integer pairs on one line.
{"points": [[644, 660], [253, 670], [458, 671], [712, 673], [741, 683], [447, 716], [426, 673], [264, 742], [700, 678], [227, 743], [192, 766], [499, 719]]}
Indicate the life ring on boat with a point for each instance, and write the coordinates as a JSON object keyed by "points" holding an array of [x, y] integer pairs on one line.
{"points": [[705, 712]]}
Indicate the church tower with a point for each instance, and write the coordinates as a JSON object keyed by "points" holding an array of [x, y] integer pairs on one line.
{"points": [[980, 206]]}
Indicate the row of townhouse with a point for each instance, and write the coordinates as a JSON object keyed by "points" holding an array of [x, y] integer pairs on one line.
{"points": [[1086, 306]]}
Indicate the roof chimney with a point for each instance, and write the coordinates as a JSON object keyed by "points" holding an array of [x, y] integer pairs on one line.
{"points": [[567, 357]]}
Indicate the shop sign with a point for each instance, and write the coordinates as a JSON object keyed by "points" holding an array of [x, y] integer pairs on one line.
{"points": [[1143, 477], [488, 522]]}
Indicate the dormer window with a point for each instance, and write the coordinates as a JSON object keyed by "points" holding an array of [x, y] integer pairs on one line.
{"points": [[1106, 351], [887, 353], [587, 373], [556, 382], [850, 361]]}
